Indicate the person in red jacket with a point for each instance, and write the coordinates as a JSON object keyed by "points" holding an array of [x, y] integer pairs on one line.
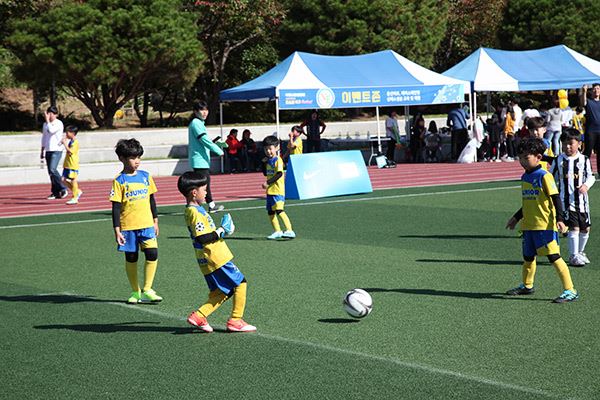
{"points": [[234, 151]]}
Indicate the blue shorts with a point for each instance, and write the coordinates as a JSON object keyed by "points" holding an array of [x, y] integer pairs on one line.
{"points": [[70, 173], [275, 202], [226, 278], [144, 238], [541, 243]]}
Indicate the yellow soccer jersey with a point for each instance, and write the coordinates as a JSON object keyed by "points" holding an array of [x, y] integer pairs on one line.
{"points": [[275, 165], [210, 256], [548, 153], [538, 211], [298, 148], [133, 192], [72, 158]]}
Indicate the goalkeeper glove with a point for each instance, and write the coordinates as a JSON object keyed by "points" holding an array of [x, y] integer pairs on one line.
{"points": [[227, 224]]}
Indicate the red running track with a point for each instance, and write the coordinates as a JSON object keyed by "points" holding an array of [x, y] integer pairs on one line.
{"points": [[30, 200]]}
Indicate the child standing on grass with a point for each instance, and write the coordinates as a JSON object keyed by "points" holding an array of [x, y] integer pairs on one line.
{"points": [[275, 186], [573, 173], [542, 215], [135, 219], [223, 278], [537, 129], [71, 163]]}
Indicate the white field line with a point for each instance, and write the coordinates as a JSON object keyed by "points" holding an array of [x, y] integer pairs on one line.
{"points": [[309, 203], [390, 360]]}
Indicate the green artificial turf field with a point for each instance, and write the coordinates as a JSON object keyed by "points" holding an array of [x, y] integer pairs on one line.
{"points": [[435, 260]]}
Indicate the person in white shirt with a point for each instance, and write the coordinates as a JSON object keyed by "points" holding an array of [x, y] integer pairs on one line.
{"points": [[52, 149], [392, 133], [518, 115]]}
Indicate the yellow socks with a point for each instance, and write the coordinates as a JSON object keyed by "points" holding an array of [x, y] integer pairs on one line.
{"points": [[215, 299], [239, 301], [286, 221], [131, 270], [274, 222], [529, 268], [149, 272], [563, 272], [74, 188]]}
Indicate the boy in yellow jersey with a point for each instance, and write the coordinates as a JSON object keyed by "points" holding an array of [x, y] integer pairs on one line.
{"points": [[295, 143], [223, 278], [71, 163], [542, 215], [135, 219], [275, 185], [537, 129]]}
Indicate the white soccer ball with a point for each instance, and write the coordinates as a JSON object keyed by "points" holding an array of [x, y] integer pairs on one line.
{"points": [[358, 303]]}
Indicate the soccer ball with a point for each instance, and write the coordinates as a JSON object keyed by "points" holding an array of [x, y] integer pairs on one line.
{"points": [[358, 303]]}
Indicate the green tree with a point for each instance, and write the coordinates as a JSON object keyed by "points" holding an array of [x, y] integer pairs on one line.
{"points": [[413, 28], [471, 24], [104, 52], [231, 31], [533, 24]]}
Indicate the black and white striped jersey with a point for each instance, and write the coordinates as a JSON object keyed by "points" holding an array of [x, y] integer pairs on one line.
{"points": [[570, 173]]}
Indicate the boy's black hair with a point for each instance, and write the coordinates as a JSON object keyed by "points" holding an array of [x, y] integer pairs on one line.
{"points": [[73, 129], [535, 122], [129, 148], [52, 109], [579, 109], [270, 141], [595, 84], [297, 128], [531, 145], [200, 105], [233, 130], [189, 181], [570, 134]]}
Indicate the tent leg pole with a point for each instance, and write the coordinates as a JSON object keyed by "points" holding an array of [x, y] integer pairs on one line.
{"points": [[378, 130], [221, 124], [277, 116]]}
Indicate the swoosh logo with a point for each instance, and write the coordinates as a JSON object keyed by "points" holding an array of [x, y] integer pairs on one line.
{"points": [[309, 175]]}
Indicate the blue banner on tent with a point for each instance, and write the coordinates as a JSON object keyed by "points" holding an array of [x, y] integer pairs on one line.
{"points": [[336, 173], [369, 96]]}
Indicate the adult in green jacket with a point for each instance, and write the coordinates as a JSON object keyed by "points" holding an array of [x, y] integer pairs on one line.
{"points": [[199, 148]]}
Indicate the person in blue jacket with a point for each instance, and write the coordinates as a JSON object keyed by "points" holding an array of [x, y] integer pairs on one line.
{"points": [[199, 148]]}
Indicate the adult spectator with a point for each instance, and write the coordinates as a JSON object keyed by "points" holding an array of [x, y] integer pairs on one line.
{"points": [[518, 115], [234, 151], [199, 148], [554, 127], [52, 149], [250, 155], [314, 129], [592, 122], [393, 135], [459, 135]]}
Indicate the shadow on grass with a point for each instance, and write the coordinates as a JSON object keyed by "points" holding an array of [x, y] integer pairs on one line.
{"points": [[56, 299], [138, 326], [448, 293], [338, 320], [459, 237], [484, 262]]}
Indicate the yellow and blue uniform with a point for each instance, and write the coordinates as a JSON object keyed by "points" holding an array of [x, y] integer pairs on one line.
{"points": [[545, 165], [137, 222], [297, 141], [71, 163], [276, 190], [214, 258], [540, 235]]}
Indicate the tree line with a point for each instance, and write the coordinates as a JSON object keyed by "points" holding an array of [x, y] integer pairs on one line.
{"points": [[165, 54]]}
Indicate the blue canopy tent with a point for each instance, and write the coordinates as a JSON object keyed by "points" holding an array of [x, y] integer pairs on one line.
{"points": [[543, 69], [556, 67], [311, 81]]}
